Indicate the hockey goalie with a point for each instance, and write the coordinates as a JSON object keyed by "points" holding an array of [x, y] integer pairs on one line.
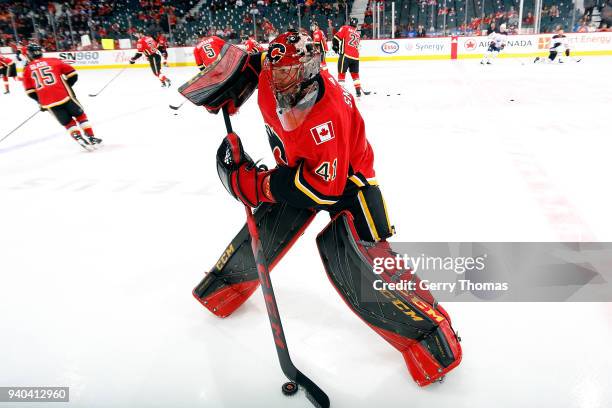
{"points": [[324, 163]]}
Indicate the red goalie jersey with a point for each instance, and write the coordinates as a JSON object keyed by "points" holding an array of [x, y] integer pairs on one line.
{"points": [[47, 77], [325, 152], [349, 41], [207, 51]]}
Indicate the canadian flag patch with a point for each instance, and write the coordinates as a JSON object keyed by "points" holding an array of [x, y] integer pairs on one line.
{"points": [[323, 133]]}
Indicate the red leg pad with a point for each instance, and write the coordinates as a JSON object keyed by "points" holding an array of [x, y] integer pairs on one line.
{"points": [[224, 302]]}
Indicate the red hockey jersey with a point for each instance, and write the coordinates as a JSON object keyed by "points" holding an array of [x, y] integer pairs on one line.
{"points": [[47, 77], [349, 41], [327, 151], [318, 37], [5, 61], [252, 46], [162, 41], [207, 51], [147, 46]]}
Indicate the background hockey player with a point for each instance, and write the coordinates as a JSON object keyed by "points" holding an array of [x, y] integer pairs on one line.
{"points": [[251, 45], [207, 51], [8, 70], [320, 42], [346, 44], [324, 162], [497, 42], [147, 46], [49, 82], [559, 48], [21, 52], [162, 46]]}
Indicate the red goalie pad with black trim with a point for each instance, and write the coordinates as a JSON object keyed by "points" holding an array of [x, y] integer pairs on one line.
{"points": [[411, 321], [233, 279], [229, 81]]}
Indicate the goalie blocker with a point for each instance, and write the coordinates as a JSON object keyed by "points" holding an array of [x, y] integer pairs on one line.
{"points": [[412, 322]]}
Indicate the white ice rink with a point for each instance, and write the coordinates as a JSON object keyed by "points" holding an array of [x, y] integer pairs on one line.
{"points": [[99, 251]]}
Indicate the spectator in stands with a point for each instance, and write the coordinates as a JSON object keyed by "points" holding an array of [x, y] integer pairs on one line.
{"points": [[589, 6], [606, 16], [492, 28], [529, 20], [583, 26]]}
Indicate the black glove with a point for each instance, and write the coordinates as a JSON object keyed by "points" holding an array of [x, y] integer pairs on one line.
{"points": [[42, 108], [336, 49]]}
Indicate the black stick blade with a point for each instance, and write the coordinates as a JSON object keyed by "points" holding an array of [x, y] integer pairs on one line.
{"points": [[316, 395]]}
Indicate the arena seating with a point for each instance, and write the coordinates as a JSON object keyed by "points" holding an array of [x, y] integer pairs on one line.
{"points": [[60, 24]]}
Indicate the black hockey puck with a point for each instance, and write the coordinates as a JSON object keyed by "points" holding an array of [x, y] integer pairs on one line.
{"points": [[289, 388]]}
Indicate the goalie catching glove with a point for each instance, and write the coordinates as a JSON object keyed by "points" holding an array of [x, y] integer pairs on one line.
{"points": [[242, 177]]}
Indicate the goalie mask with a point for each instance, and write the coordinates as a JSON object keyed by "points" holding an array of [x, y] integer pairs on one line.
{"points": [[292, 66]]}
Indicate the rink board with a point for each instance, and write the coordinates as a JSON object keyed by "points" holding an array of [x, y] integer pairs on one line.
{"points": [[439, 48]]}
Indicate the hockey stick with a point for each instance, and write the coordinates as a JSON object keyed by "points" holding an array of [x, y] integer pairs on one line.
{"points": [[108, 83], [177, 107], [315, 394], [20, 125]]}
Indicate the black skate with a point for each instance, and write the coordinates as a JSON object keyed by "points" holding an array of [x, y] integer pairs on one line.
{"points": [[76, 135], [94, 140], [7, 91], [168, 83], [358, 92]]}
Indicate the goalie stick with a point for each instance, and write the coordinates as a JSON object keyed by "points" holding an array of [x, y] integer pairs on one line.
{"points": [[177, 107], [315, 394], [107, 84]]}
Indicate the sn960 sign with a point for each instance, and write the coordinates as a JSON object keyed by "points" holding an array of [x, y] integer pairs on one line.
{"points": [[80, 57]]}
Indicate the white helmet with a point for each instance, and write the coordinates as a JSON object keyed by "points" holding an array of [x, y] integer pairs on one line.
{"points": [[502, 28]]}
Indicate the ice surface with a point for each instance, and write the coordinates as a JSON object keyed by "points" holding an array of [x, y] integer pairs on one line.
{"points": [[99, 251]]}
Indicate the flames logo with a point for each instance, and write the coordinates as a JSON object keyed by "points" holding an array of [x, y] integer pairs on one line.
{"points": [[278, 148], [276, 52]]}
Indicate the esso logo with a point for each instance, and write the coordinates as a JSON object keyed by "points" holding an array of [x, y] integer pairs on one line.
{"points": [[390, 47]]}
